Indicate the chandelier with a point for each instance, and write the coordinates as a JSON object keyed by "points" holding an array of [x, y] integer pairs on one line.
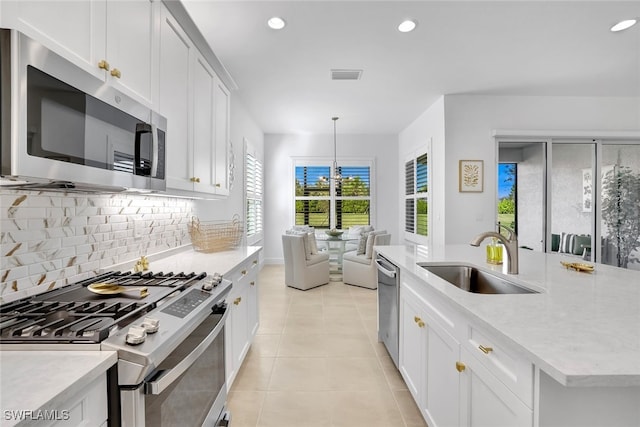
{"points": [[337, 176]]}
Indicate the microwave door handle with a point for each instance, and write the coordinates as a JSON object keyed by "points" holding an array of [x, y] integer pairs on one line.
{"points": [[154, 155], [166, 378], [138, 168]]}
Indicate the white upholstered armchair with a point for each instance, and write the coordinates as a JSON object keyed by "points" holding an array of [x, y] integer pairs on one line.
{"points": [[360, 269], [302, 269]]}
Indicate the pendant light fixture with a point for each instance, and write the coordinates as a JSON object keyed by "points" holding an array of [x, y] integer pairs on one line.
{"points": [[336, 175]]}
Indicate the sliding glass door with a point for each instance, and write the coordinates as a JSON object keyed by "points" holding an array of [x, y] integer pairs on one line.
{"points": [[620, 205], [571, 193], [580, 198], [521, 204]]}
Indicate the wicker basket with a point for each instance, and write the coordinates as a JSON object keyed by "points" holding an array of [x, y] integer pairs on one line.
{"points": [[214, 236]]}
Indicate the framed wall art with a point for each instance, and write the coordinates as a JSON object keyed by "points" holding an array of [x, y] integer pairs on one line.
{"points": [[471, 176]]}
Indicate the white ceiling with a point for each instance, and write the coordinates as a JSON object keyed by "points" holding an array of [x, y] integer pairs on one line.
{"points": [[473, 47]]}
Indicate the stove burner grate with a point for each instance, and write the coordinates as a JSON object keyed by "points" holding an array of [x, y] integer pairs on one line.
{"points": [[74, 314]]}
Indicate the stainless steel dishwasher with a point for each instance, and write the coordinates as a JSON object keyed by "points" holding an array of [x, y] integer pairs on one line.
{"points": [[388, 296]]}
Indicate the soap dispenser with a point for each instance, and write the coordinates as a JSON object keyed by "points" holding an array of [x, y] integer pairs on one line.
{"points": [[494, 252]]}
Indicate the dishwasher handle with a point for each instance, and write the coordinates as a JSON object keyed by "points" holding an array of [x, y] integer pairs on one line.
{"points": [[384, 270]]}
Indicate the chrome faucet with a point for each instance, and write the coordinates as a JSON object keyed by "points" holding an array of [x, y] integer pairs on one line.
{"points": [[511, 244]]}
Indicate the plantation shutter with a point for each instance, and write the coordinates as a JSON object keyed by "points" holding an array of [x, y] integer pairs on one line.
{"points": [[254, 193]]}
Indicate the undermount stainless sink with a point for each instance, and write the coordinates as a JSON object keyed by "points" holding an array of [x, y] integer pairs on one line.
{"points": [[472, 279]]}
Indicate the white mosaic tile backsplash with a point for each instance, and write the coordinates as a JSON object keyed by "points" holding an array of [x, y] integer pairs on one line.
{"points": [[50, 239]]}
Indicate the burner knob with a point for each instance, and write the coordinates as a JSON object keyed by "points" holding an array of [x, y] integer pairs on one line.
{"points": [[150, 325], [136, 335], [207, 286]]}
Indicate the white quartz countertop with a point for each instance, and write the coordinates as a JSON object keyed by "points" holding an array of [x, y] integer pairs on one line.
{"points": [[583, 329], [186, 259], [39, 380]]}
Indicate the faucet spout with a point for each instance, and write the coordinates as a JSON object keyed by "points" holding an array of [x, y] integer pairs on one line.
{"points": [[510, 243]]}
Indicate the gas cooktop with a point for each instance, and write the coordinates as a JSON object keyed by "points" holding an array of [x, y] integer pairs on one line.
{"points": [[74, 314]]}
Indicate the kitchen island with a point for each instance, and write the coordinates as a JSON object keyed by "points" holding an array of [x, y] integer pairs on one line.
{"points": [[566, 355]]}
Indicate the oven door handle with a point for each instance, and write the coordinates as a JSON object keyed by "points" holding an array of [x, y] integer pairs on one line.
{"points": [[166, 378]]}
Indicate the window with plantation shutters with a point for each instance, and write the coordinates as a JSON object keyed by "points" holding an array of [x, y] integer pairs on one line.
{"points": [[322, 202], [416, 195], [254, 197]]}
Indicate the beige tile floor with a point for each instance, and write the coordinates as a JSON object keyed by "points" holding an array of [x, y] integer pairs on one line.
{"points": [[316, 361]]}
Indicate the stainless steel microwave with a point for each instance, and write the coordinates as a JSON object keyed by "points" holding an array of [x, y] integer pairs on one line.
{"points": [[63, 128]]}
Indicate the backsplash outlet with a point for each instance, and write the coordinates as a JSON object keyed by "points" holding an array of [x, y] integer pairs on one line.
{"points": [[50, 239]]}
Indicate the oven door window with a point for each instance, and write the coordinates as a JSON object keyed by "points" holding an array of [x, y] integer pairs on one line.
{"points": [[66, 124], [189, 399]]}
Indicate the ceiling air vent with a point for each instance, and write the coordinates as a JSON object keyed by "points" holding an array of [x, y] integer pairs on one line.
{"points": [[346, 74]]}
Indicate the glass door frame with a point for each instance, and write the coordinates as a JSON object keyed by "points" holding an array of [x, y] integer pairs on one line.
{"points": [[548, 139]]}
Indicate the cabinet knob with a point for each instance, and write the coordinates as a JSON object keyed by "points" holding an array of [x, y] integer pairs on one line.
{"points": [[116, 73], [243, 272], [418, 321], [103, 65], [255, 261], [460, 366], [252, 283], [194, 179], [485, 350], [237, 300], [218, 185]]}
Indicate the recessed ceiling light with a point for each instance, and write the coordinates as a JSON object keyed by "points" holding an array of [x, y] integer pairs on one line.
{"points": [[276, 23], [407, 26], [623, 25]]}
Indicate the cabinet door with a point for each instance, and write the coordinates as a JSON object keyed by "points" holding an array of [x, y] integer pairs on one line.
{"points": [[204, 83], [412, 358], [74, 29], [175, 100], [485, 401], [132, 47], [253, 308], [443, 380], [240, 333], [222, 137]]}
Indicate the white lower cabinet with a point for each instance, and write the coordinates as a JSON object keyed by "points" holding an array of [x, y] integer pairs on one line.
{"points": [[88, 407], [456, 384], [486, 401], [242, 323], [413, 345]]}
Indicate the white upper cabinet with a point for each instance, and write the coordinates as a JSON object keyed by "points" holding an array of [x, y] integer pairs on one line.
{"points": [[174, 101], [132, 47], [222, 137], [115, 41], [196, 105]]}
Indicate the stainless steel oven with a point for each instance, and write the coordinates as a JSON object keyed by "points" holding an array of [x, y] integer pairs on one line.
{"points": [[169, 336], [189, 388], [64, 127], [175, 376]]}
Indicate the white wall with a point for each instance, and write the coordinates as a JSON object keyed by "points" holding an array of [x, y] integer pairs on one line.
{"points": [[281, 149], [427, 129], [469, 122]]}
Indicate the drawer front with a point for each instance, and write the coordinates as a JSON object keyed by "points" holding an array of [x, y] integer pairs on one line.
{"points": [[508, 366], [245, 273], [436, 309]]}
